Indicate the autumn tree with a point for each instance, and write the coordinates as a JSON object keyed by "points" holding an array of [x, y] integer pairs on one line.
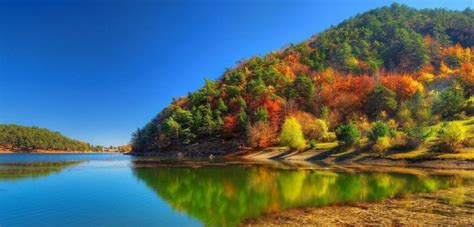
{"points": [[261, 134], [291, 134], [230, 124], [313, 128], [403, 85]]}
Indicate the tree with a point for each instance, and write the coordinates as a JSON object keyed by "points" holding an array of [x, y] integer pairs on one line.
{"points": [[450, 102], [261, 135], [274, 109], [346, 94], [313, 128], [403, 85], [348, 134], [172, 128], [380, 99], [221, 106], [451, 135], [302, 89], [291, 134], [230, 124], [261, 115]]}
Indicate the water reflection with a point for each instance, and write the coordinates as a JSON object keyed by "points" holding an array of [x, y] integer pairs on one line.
{"points": [[27, 170], [226, 195]]}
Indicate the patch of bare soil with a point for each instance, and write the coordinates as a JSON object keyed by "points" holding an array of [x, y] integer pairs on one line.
{"points": [[453, 207]]}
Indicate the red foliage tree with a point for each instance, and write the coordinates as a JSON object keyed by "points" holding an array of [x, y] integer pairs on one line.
{"points": [[231, 124], [274, 109]]}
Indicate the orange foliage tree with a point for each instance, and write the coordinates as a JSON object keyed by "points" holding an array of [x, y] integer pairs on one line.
{"points": [[274, 109], [231, 124], [346, 95], [261, 135], [403, 85]]}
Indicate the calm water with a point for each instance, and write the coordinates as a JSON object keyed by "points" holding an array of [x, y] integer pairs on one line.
{"points": [[119, 190]]}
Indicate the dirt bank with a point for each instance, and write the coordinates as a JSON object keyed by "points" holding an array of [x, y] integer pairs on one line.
{"points": [[453, 207]]}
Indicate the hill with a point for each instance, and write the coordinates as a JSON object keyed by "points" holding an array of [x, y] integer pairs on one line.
{"points": [[385, 76], [22, 138]]}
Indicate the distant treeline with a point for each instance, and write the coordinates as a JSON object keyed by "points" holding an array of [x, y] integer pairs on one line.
{"points": [[16, 137]]}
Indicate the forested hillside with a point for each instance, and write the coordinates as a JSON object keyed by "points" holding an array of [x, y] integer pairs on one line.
{"points": [[21, 138], [386, 75]]}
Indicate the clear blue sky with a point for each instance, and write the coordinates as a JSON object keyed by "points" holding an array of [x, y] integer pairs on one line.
{"points": [[96, 70]]}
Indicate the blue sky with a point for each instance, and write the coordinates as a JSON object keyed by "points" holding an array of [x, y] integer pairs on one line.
{"points": [[97, 70]]}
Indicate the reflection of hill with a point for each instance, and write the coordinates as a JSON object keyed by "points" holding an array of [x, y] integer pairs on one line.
{"points": [[22, 170], [226, 195]]}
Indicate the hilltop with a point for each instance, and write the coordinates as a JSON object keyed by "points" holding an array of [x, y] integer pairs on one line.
{"points": [[379, 81]]}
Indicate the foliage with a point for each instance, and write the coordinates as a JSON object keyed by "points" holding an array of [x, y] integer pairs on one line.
{"points": [[417, 135], [451, 135], [348, 134], [381, 99], [380, 129], [403, 85], [291, 134], [381, 144], [261, 134], [230, 124], [313, 128], [450, 102]]}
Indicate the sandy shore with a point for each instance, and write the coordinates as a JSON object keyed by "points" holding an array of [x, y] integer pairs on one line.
{"points": [[451, 207]]}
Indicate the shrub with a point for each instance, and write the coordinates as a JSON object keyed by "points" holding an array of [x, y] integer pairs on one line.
{"points": [[451, 135], [416, 136], [261, 135], [313, 144], [380, 129], [329, 137], [348, 134], [382, 144], [291, 134]]}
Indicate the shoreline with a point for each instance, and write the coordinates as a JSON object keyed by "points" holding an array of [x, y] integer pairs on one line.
{"points": [[451, 207], [305, 159]]}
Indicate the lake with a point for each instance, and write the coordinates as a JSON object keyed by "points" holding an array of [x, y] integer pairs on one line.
{"points": [[120, 190]]}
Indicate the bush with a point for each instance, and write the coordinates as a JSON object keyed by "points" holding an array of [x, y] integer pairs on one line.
{"points": [[416, 136], [313, 144], [261, 135], [380, 129], [348, 134], [291, 134], [329, 137], [451, 135], [382, 144]]}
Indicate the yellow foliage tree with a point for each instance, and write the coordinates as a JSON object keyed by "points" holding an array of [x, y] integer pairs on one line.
{"points": [[291, 134]]}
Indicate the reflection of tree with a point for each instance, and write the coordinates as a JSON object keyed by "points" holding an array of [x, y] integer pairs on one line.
{"points": [[22, 170], [226, 195]]}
